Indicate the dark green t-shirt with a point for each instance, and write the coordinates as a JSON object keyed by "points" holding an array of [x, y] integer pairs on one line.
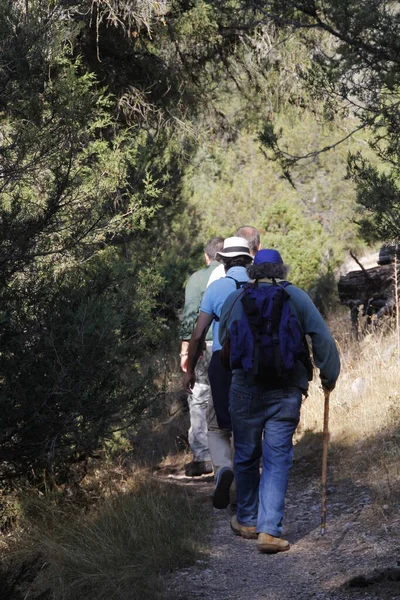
{"points": [[195, 288]]}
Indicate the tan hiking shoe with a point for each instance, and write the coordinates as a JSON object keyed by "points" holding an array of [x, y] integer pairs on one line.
{"points": [[249, 533], [268, 544]]}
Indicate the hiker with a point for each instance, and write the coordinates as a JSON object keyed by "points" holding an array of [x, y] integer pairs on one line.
{"points": [[235, 256], [250, 234], [220, 440], [200, 397], [266, 392]]}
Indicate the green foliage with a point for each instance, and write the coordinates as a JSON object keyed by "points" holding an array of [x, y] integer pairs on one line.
{"points": [[82, 316], [79, 341], [354, 63], [229, 185], [64, 181], [325, 293], [130, 135], [378, 194], [301, 241]]}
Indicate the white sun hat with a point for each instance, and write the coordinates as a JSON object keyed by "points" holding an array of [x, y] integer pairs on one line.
{"points": [[235, 246]]}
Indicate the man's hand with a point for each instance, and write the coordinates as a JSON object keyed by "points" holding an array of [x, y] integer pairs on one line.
{"points": [[328, 388], [188, 382], [184, 360], [327, 385], [195, 348]]}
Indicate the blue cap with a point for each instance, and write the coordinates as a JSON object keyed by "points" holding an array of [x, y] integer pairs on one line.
{"points": [[268, 256]]}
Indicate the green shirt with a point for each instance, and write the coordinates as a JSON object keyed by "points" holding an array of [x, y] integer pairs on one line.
{"points": [[195, 288]]}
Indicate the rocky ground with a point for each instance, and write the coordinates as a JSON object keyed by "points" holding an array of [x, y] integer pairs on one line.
{"points": [[357, 557]]}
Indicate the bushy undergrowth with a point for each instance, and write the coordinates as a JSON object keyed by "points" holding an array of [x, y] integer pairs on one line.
{"points": [[133, 530]]}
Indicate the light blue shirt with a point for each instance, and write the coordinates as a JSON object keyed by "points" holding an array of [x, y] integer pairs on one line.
{"points": [[216, 294]]}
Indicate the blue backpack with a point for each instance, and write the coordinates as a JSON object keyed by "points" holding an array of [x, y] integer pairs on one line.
{"points": [[268, 339]]}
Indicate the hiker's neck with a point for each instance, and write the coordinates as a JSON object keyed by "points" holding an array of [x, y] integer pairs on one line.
{"points": [[268, 279]]}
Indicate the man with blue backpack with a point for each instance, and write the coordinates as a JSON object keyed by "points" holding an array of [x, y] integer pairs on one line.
{"points": [[262, 330]]}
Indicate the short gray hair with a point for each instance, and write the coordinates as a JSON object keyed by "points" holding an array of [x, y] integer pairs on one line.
{"points": [[252, 235]]}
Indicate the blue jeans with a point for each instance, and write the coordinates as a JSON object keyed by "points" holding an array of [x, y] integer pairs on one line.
{"points": [[263, 421]]}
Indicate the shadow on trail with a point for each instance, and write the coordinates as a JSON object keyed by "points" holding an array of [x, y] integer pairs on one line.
{"points": [[363, 498], [356, 558], [347, 496], [163, 435]]}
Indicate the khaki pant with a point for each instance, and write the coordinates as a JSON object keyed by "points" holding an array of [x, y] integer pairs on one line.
{"points": [[220, 445], [198, 403], [219, 441]]}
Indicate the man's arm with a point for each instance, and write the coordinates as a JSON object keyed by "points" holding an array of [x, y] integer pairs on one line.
{"points": [[184, 354], [325, 353], [193, 295], [195, 349]]}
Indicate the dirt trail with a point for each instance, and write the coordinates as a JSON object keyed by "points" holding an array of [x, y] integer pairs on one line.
{"points": [[356, 559]]}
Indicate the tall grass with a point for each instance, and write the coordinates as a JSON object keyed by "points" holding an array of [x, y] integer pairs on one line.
{"points": [[364, 412], [119, 551], [119, 545]]}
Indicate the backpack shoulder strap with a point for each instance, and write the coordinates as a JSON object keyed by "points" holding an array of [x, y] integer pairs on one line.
{"points": [[234, 302], [284, 284], [239, 284], [307, 362]]}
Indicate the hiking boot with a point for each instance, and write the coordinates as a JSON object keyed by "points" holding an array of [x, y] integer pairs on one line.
{"points": [[268, 544], [221, 492], [249, 533], [196, 469]]}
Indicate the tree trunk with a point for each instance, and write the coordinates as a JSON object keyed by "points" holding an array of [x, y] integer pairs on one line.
{"points": [[363, 285]]}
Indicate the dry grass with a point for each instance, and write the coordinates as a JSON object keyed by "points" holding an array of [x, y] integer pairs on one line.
{"points": [[113, 530], [129, 529], [364, 418], [119, 550]]}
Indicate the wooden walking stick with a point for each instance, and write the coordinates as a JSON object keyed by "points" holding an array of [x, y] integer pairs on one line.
{"points": [[325, 441]]}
